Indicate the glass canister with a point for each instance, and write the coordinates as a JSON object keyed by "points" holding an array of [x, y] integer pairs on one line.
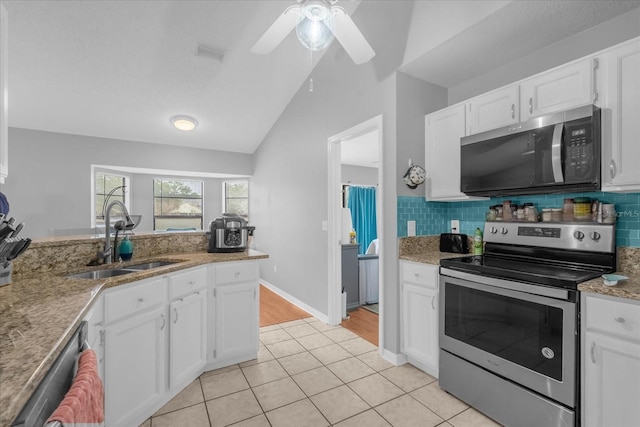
{"points": [[546, 214], [567, 210], [582, 209], [506, 210], [556, 215]]}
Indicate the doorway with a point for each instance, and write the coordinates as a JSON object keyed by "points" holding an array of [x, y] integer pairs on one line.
{"points": [[360, 146]]}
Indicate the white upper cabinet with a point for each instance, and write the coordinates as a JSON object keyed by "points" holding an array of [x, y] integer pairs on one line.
{"points": [[493, 110], [4, 98], [443, 131], [560, 89], [620, 147]]}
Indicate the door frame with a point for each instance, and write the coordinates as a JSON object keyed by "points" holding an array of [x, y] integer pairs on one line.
{"points": [[335, 219]]}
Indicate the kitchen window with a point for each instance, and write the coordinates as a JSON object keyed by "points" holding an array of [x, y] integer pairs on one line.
{"points": [[109, 187], [236, 197], [177, 204]]}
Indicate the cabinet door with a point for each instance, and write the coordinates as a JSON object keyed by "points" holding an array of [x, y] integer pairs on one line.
{"points": [[611, 381], [420, 324], [236, 320], [187, 338], [621, 150], [559, 89], [4, 97], [443, 131], [493, 110], [135, 366]]}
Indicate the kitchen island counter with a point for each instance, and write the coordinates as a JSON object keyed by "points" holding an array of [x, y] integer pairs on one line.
{"points": [[39, 313]]}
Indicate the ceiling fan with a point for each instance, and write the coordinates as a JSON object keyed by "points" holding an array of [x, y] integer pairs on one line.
{"points": [[317, 22]]}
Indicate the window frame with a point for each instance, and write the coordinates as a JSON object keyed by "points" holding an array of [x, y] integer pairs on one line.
{"points": [[225, 198], [127, 192], [174, 179]]}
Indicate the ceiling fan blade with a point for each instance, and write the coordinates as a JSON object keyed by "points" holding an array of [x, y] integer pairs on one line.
{"points": [[350, 37], [277, 31]]}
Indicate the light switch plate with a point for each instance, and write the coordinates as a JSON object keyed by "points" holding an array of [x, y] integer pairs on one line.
{"points": [[455, 225], [411, 228]]}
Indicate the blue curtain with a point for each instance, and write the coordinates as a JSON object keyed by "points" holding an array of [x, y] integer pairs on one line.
{"points": [[362, 203]]}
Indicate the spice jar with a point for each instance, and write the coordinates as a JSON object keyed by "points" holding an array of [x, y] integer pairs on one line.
{"points": [[556, 215], [506, 210], [567, 210], [531, 213], [546, 214], [582, 209]]}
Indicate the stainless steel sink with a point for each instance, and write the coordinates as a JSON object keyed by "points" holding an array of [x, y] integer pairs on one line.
{"points": [[150, 265], [102, 274]]}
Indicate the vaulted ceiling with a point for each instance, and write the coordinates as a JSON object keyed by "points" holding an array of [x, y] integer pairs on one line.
{"points": [[121, 70]]}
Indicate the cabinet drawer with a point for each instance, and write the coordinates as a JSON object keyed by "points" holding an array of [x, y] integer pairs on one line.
{"points": [[137, 297], [236, 273], [185, 283], [420, 274], [617, 317]]}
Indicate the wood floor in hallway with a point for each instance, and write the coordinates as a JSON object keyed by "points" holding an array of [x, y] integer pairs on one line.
{"points": [[275, 309], [364, 323]]}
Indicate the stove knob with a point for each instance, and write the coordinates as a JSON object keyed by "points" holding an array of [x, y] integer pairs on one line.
{"points": [[595, 236], [578, 235], [493, 230], [504, 230]]}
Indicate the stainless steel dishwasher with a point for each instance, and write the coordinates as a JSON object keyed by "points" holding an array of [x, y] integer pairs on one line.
{"points": [[54, 385]]}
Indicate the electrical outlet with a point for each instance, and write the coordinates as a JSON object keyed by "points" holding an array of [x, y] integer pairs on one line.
{"points": [[411, 228], [455, 225]]}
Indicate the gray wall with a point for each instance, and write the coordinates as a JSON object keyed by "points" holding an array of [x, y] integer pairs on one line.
{"points": [[609, 33], [359, 175], [289, 186], [49, 183]]}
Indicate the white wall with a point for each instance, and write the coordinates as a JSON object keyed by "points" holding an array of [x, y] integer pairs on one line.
{"points": [[49, 183], [594, 39], [359, 175], [289, 186]]}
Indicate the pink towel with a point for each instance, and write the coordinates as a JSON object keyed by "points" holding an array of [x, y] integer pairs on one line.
{"points": [[84, 402]]}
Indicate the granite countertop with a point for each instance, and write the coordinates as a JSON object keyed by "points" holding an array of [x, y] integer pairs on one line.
{"points": [[629, 289], [39, 314]]}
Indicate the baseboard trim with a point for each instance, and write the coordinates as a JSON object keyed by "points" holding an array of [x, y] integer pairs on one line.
{"points": [[295, 301], [395, 358]]}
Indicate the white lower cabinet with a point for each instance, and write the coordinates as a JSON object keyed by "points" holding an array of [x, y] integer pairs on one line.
{"points": [[135, 366], [187, 326], [236, 312], [419, 318], [610, 361], [156, 333]]}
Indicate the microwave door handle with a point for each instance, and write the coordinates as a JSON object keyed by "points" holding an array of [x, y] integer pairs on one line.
{"points": [[556, 153]]}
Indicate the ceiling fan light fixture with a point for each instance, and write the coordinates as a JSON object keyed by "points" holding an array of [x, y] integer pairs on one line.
{"points": [[315, 26], [184, 123]]}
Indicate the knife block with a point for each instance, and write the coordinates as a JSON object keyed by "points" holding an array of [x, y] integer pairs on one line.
{"points": [[5, 273]]}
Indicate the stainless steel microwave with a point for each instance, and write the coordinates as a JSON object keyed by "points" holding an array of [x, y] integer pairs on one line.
{"points": [[551, 154]]}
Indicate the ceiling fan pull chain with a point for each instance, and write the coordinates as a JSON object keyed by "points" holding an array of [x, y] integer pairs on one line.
{"points": [[311, 66]]}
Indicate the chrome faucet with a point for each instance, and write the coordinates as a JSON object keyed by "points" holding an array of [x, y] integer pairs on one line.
{"points": [[121, 225]]}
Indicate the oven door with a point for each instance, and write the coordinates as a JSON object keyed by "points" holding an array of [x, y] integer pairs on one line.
{"points": [[526, 338]]}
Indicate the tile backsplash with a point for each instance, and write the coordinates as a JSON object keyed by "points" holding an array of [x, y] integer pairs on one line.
{"points": [[434, 217]]}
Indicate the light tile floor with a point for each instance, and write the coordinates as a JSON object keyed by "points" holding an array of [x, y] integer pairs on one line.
{"points": [[311, 374]]}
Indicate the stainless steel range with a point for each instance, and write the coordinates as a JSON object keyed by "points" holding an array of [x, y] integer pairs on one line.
{"points": [[509, 320]]}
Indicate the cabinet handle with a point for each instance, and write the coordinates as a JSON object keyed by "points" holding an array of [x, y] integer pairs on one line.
{"points": [[593, 352], [531, 105], [433, 297], [612, 169], [619, 319], [140, 299], [417, 275], [513, 111], [175, 310], [164, 322]]}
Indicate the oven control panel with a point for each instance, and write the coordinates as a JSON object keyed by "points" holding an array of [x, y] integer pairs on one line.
{"points": [[575, 235]]}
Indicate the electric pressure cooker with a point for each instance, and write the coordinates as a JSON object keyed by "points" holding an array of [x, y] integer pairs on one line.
{"points": [[229, 233]]}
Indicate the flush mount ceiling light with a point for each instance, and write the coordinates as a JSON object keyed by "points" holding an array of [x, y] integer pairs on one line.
{"points": [[317, 22], [184, 123]]}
